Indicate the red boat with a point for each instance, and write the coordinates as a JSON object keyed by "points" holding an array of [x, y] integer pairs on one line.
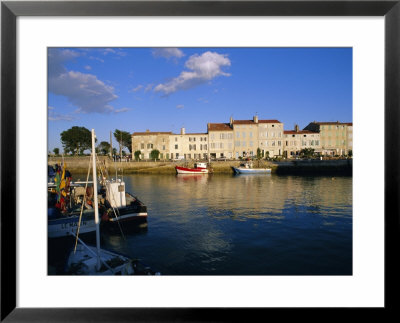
{"points": [[199, 168]]}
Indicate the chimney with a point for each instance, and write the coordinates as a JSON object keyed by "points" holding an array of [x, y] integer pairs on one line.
{"points": [[147, 130], [296, 127], [182, 131], [255, 119], [231, 121]]}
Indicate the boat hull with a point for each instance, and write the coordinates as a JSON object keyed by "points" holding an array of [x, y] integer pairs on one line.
{"points": [[240, 170], [84, 260], [184, 170], [63, 226]]}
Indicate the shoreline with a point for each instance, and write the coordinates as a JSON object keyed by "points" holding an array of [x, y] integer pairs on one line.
{"points": [[295, 167]]}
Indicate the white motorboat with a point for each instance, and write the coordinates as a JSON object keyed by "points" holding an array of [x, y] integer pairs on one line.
{"points": [[247, 168]]}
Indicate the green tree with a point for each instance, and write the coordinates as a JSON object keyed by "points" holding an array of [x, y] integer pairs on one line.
{"points": [[124, 140], [104, 147], [154, 154], [259, 156], [137, 154], [307, 152], [76, 140], [56, 151]]}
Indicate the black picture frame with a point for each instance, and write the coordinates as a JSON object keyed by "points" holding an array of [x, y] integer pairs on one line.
{"points": [[10, 10]]}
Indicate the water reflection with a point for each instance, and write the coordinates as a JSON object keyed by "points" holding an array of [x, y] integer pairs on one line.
{"points": [[210, 224]]}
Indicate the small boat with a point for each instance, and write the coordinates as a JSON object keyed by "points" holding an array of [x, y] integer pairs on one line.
{"points": [[71, 206], [247, 168], [92, 260], [199, 168], [84, 262]]}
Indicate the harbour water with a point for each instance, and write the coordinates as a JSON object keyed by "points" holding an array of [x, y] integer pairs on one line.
{"points": [[241, 224]]}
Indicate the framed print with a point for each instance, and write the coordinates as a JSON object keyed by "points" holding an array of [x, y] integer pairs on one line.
{"points": [[53, 68]]}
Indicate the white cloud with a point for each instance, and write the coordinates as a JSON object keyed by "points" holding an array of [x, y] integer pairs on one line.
{"points": [[87, 67], [201, 69], [148, 87], [54, 116], [85, 91], [96, 58], [139, 87], [167, 53], [121, 110], [180, 106]]}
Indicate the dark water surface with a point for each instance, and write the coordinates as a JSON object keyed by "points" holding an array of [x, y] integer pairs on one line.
{"points": [[242, 225]]}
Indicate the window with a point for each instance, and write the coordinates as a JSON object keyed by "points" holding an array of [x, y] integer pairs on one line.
{"points": [[237, 134], [163, 147], [176, 138], [176, 146], [243, 135], [279, 143], [237, 143], [142, 146], [149, 146], [251, 144]]}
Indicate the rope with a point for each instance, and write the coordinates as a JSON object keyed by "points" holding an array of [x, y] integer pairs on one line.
{"points": [[83, 203], [119, 224]]}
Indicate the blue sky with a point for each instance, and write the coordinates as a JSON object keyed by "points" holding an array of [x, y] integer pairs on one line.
{"points": [[164, 89]]}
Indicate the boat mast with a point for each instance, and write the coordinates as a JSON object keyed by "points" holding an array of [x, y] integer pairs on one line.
{"points": [[96, 206]]}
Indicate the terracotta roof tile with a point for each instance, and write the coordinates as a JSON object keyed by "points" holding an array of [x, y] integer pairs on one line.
{"points": [[294, 132], [219, 127], [333, 123]]}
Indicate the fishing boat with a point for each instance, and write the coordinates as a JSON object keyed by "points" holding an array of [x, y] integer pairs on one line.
{"points": [[247, 168], [199, 168], [71, 206], [90, 260], [84, 261]]}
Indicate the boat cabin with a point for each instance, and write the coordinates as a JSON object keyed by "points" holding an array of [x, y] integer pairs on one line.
{"points": [[246, 165], [200, 165]]}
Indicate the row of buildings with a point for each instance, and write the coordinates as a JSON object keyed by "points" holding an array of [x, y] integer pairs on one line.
{"points": [[242, 138]]}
